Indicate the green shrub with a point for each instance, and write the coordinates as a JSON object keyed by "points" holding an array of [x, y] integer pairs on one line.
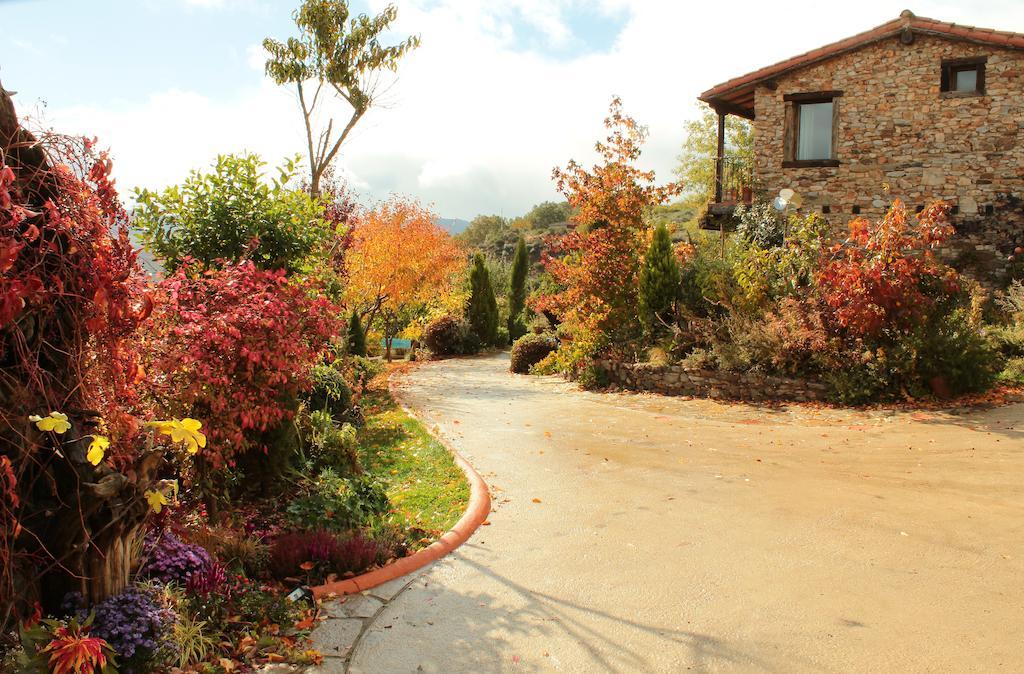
{"points": [[330, 393], [708, 283], [243, 554], [270, 608], [1011, 301], [659, 283], [482, 310], [332, 444], [445, 336], [953, 348], [760, 225], [362, 370], [591, 377], [337, 503], [698, 359], [471, 343], [517, 292], [949, 347], [1009, 339], [356, 335], [530, 350], [766, 274], [1013, 372], [218, 215]]}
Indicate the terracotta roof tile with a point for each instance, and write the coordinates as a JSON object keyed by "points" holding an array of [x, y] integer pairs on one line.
{"points": [[735, 89]]}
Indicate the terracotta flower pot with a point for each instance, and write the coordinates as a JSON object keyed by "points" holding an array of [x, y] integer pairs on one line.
{"points": [[940, 387]]}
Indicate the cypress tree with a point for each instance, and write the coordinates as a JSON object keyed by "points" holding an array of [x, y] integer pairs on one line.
{"points": [[356, 336], [659, 281], [517, 292], [482, 311]]}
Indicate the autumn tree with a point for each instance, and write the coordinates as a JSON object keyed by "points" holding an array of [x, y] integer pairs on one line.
{"points": [[400, 261], [339, 53], [482, 311], [517, 291], [696, 168], [596, 264]]}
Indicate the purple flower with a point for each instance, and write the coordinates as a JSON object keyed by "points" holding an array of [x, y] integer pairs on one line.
{"points": [[134, 624], [169, 559]]}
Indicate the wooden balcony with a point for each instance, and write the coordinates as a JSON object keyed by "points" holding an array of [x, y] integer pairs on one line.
{"points": [[734, 180]]}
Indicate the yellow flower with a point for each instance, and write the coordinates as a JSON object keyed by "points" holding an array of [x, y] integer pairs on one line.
{"points": [[97, 448], [156, 500], [185, 431], [161, 426], [56, 422]]}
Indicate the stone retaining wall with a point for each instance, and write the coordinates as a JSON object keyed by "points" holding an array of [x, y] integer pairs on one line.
{"points": [[678, 380]]}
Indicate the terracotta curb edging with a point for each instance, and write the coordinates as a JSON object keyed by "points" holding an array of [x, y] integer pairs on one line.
{"points": [[477, 511]]}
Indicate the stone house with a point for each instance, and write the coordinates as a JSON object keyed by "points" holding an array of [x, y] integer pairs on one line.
{"points": [[915, 109]]}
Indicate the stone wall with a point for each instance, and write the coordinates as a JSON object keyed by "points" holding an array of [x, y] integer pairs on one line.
{"points": [[898, 136], [678, 380]]}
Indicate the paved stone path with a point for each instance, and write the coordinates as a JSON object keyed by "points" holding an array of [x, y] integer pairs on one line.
{"points": [[347, 618], [634, 533]]}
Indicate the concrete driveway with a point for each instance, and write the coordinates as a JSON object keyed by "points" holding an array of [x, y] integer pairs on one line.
{"points": [[633, 533]]}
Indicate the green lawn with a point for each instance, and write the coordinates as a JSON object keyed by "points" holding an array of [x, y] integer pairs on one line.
{"points": [[425, 486]]}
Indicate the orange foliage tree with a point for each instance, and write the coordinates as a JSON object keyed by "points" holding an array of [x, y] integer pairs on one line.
{"points": [[596, 264], [400, 262]]}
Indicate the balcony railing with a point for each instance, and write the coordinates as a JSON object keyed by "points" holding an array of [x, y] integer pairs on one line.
{"points": [[737, 180]]}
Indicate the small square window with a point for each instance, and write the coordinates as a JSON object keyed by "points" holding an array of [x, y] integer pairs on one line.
{"points": [[963, 77]]}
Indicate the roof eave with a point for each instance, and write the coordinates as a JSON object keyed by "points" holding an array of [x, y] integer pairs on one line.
{"points": [[727, 93]]}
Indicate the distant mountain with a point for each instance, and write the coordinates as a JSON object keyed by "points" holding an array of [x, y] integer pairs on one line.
{"points": [[453, 225]]}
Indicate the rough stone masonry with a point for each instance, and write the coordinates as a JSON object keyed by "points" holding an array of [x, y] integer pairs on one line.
{"points": [[898, 135]]}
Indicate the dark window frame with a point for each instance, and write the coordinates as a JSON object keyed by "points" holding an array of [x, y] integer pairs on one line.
{"points": [[952, 66], [792, 130]]}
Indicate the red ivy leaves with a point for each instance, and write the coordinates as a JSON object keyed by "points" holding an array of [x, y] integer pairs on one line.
{"points": [[884, 276], [234, 347], [69, 265]]}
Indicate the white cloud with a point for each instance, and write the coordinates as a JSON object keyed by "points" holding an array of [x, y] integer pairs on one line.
{"points": [[474, 123]]}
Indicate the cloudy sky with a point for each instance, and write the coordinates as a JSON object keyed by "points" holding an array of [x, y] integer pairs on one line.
{"points": [[500, 92]]}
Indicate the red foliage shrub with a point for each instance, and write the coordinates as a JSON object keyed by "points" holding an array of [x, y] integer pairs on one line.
{"points": [[327, 551], [290, 551], [884, 277], [792, 337], [355, 554], [235, 346]]}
